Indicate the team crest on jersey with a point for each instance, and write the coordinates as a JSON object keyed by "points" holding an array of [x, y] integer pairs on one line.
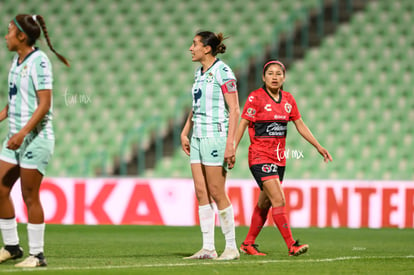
{"points": [[266, 168], [23, 73], [210, 78], [288, 108], [251, 112]]}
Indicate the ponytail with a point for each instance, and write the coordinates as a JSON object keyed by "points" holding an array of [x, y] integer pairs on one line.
{"points": [[41, 21], [221, 48]]}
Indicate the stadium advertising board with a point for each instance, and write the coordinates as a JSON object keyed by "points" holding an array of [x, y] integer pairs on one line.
{"points": [[327, 203]]}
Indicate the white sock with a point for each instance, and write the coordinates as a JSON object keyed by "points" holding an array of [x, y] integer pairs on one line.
{"points": [[36, 237], [9, 231], [226, 217], [207, 217]]}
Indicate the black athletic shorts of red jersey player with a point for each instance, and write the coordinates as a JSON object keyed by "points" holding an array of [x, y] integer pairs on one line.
{"points": [[266, 171], [267, 128]]}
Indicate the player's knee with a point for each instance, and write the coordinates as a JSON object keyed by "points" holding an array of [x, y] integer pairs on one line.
{"points": [[30, 196], [264, 204], [219, 197], [201, 194], [278, 203]]}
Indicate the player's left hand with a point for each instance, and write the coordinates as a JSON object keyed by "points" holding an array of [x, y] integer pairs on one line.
{"points": [[230, 156], [15, 141], [325, 154]]}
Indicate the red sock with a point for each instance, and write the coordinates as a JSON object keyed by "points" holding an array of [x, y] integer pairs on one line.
{"points": [[258, 220], [282, 223]]}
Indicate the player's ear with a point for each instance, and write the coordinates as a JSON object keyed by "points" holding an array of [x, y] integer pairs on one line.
{"points": [[207, 49], [21, 36]]}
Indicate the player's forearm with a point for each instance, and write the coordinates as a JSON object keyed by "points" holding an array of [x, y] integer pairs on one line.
{"points": [[188, 125], [305, 132], [240, 131], [3, 113], [234, 115]]}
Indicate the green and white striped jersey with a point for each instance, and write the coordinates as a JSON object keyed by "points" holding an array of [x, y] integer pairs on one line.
{"points": [[25, 79], [210, 113]]}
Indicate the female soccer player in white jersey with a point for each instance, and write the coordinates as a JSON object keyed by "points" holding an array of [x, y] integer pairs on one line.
{"points": [[213, 121], [29, 145], [266, 114]]}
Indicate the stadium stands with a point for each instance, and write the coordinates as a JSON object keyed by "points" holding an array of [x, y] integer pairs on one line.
{"points": [[131, 70], [130, 64], [353, 92]]}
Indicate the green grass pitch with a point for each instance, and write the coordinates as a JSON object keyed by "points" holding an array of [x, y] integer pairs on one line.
{"points": [[109, 249]]}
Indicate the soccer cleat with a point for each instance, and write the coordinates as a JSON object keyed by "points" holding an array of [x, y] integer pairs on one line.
{"points": [[33, 261], [229, 254], [203, 254], [251, 249], [10, 252], [297, 249]]}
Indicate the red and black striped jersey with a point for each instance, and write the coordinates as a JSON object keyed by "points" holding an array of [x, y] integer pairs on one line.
{"points": [[268, 121]]}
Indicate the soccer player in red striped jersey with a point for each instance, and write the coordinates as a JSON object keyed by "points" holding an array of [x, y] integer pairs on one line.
{"points": [[266, 114]]}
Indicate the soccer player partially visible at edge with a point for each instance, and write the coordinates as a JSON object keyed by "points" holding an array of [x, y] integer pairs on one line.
{"points": [[29, 144]]}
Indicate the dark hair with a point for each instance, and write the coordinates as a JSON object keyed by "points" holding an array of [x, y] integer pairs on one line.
{"points": [[215, 41], [28, 24]]}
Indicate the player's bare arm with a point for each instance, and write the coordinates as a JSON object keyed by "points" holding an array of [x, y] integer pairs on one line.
{"points": [[185, 142], [234, 114], [307, 134]]}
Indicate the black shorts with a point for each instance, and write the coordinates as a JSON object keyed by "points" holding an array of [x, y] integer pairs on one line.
{"points": [[266, 171]]}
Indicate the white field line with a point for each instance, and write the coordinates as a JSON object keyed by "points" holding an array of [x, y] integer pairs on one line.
{"points": [[199, 263]]}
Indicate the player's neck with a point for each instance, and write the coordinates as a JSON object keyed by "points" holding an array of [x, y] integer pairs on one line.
{"points": [[274, 93], [207, 63], [23, 52]]}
